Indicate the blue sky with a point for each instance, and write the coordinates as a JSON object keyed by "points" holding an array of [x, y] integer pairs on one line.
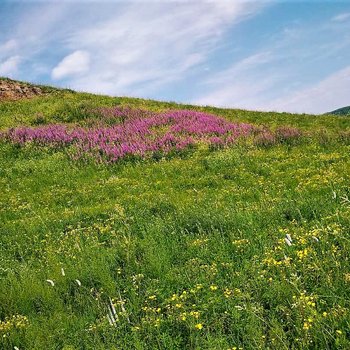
{"points": [[265, 55]]}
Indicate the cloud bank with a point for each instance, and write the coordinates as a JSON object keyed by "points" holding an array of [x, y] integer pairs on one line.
{"points": [[265, 55], [74, 64]]}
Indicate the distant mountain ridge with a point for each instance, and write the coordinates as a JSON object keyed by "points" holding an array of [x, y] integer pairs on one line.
{"points": [[341, 111]]}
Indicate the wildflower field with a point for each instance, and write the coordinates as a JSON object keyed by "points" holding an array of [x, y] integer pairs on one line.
{"points": [[136, 224]]}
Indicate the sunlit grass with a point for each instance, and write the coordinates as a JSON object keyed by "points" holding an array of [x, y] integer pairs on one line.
{"points": [[242, 247]]}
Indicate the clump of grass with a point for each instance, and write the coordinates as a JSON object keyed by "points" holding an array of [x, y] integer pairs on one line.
{"points": [[286, 134], [265, 138]]}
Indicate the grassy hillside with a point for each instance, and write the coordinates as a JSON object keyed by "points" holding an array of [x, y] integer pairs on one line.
{"points": [[341, 111], [218, 245]]}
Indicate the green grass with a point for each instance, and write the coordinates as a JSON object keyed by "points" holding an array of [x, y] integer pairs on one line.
{"points": [[189, 249]]}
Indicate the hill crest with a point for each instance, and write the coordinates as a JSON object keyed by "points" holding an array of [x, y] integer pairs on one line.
{"points": [[341, 111]]}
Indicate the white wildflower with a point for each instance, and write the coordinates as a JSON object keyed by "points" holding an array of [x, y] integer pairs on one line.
{"points": [[238, 307], [288, 242], [110, 320], [112, 314]]}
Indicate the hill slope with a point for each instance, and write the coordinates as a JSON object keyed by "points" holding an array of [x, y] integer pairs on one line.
{"points": [[65, 105], [341, 111], [117, 234]]}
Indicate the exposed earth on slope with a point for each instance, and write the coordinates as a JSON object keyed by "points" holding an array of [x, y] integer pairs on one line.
{"points": [[13, 90]]}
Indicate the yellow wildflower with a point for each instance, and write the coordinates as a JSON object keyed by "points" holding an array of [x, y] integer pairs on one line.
{"points": [[306, 325]]}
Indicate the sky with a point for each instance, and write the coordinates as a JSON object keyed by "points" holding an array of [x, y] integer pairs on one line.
{"points": [[268, 55]]}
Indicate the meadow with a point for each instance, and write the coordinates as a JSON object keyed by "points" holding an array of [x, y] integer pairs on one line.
{"points": [[123, 227]]}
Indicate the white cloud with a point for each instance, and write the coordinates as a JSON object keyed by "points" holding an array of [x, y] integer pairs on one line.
{"points": [[9, 66], [247, 85], [329, 94], [286, 75], [240, 68], [241, 85], [341, 17], [144, 46], [8, 47], [76, 63], [136, 47]]}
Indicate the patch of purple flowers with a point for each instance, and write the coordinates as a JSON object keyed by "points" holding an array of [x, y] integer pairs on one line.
{"points": [[287, 133], [137, 133]]}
